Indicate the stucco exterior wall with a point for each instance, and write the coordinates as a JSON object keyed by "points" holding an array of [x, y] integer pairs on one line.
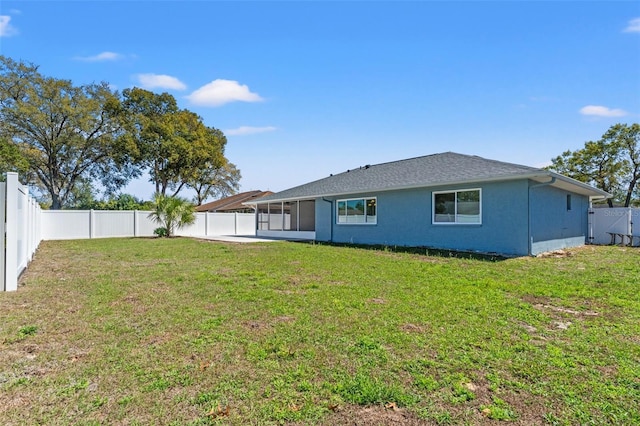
{"points": [[404, 218], [553, 225], [324, 218]]}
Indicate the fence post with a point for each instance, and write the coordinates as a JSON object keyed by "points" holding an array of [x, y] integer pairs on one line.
{"points": [[91, 223], [11, 258], [3, 200], [629, 226], [235, 223], [135, 223]]}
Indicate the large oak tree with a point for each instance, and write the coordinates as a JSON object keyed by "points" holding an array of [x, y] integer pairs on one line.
{"points": [[611, 163], [174, 145], [215, 181], [68, 134]]}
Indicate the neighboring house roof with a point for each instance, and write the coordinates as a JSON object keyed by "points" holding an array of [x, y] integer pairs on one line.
{"points": [[233, 202], [447, 168]]}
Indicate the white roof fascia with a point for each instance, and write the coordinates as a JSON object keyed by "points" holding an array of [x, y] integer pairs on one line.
{"points": [[600, 194]]}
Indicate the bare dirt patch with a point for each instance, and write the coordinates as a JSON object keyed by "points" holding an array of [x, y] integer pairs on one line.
{"points": [[541, 306], [556, 254], [413, 328], [258, 326], [372, 416], [255, 325], [284, 318]]}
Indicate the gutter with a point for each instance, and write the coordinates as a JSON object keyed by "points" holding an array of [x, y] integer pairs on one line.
{"points": [[551, 182]]}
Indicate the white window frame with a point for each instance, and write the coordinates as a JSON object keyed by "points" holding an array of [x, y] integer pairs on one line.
{"points": [[455, 192], [365, 199]]}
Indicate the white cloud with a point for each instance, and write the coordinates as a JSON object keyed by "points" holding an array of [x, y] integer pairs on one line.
{"points": [[153, 81], [602, 111], [633, 26], [6, 29], [100, 57], [220, 92], [248, 130]]}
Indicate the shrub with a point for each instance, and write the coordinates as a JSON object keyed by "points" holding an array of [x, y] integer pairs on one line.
{"points": [[171, 213], [160, 232]]}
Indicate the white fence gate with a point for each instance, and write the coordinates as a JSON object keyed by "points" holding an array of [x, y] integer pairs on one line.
{"points": [[614, 225], [20, 223]]}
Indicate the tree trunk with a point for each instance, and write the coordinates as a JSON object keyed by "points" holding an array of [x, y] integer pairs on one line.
{"points": [[56, 204], [178, 190], [630, 189]]}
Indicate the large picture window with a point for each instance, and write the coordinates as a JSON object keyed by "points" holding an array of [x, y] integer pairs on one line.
{"points": [[357, 210], [463, 206]]}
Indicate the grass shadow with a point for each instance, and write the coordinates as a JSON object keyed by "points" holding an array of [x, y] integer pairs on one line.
{"points": [[418, 250]]}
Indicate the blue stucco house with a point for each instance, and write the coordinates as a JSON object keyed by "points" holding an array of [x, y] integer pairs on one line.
{"points": [[445, 201]]}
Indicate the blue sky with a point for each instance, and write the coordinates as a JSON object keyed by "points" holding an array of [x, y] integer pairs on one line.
{"points": [[303, 89]]}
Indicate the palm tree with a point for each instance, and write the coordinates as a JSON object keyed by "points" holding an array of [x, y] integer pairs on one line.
{"points": [[171, 213]]}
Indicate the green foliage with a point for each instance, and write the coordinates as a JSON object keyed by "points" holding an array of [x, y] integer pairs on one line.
{"points": [[612, 163], [83, 198], [122, 202], [160, 232], [461, 394], [28, 330], [364, 389], [23, 333], [73, 387], [172, 213], [214, 181], [174, 145], [499, 410], [11, 160], [66, 138], [66, 133]]}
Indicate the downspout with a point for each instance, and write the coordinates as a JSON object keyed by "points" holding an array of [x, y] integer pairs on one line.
{"points": [[537, 185], [331, 221]]}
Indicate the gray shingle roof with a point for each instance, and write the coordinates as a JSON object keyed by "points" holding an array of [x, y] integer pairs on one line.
{"points": [[427, 171]]}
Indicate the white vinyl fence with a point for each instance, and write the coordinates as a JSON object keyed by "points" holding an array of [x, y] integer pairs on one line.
{"points": [[20, 223], [620, 225], [23, 225], [83, 224]]}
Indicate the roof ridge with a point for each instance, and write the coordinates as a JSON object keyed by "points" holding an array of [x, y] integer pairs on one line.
{"points": [[434, 155], [395, 161]]}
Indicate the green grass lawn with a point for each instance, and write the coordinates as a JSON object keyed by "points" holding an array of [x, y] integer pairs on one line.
{"points": [[182, 331]]}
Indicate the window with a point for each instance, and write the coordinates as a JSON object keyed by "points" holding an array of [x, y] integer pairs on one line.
{"points": [[568, 202], [457, 207], [357, 210]]}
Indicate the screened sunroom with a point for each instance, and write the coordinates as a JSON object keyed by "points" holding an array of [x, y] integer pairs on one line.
{"points": [[286, 219]]}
